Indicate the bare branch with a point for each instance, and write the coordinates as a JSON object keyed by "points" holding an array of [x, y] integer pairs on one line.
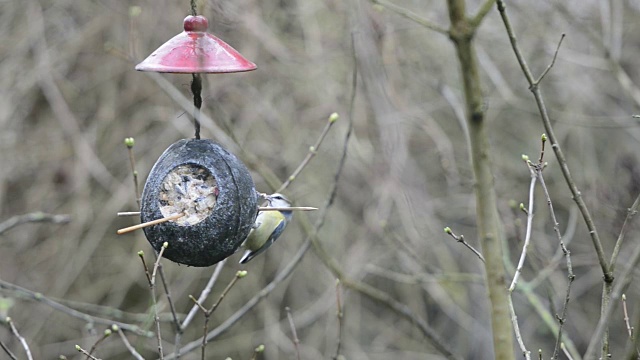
{"points": [[127, 344], [412, 16], [294, 333], [20, 338], [482, 13], [553, 61], [527, 236], [33, 217], [631, 212], [621, 284], [460, 239], [577, 196], [90, 319], [516, 328], [313, 150]]}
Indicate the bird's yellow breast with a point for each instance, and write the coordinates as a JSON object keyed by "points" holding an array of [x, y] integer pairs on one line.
{"points": [[267, 222]]}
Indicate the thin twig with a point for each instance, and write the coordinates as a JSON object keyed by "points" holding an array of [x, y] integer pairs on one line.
{"points": [[90, 319], [571, 277], [172, 307], [294, 333], [313, 150], [6, 349], [104, 336], [21, 339], [622, 281], [626, 316], [339, 315], [412, 16], [553, 61], [203, 294], [527, 236], [129, 143], [83, 351], [151, 278], [127, 344], [37, 216], [516, 329], [198, 304], [566, 352], [157, 263], [562, 318], [239, 275], [152, 285], [207, 312], [256, 351], [482, 13], [549, 319], [630, 328], [460, 239], [631, 212]]}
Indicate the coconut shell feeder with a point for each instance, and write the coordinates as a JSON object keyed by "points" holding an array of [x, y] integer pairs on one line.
{"points": [[199, 197], [212, 190]]}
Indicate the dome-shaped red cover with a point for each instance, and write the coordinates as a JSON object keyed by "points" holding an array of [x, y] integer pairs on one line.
{"points": [[195, 51]]}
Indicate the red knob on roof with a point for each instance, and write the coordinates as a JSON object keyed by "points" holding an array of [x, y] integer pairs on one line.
{"points": [[195, 51]]}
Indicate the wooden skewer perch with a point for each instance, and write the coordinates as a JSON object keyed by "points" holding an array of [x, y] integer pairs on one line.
{"points": [[293, 208], [149, 223]]}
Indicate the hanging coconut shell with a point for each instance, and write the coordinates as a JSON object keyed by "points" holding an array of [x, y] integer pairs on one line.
{"points": [[214, 192]]}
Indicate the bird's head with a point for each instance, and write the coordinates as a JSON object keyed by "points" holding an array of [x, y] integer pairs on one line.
{"points": [[278, 200]]}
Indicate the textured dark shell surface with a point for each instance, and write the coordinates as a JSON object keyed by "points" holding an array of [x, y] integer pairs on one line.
{"points": [[223, 231]]}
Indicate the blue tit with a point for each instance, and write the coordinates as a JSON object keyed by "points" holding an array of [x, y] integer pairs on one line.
{"points": [[268, 227]]}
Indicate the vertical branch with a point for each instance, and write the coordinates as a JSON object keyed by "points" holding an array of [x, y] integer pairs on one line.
{"points": [[151, 279], [527, 236], [339, 315], [294, 333], [514, 320], [129, 143], [556, 227], [489, 233], [621, 284]]}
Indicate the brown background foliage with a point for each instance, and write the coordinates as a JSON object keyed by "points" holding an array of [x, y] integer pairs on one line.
{"points": [[69, 96]]}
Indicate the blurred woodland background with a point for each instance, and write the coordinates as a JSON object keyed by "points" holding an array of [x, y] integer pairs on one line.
{"points": [[69, 96]]}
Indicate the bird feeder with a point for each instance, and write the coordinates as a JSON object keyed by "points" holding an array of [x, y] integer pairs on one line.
{"points": [[206, 191], [214, 193]]}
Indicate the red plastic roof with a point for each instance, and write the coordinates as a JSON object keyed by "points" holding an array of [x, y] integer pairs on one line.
{"points": [[195, 51]]}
